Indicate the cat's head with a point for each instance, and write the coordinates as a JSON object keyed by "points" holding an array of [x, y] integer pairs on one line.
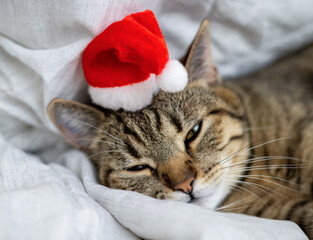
{"points": [[185, 146]]}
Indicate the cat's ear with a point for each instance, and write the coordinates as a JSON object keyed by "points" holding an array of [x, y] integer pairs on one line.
{"points": [[78, 123], [200, 64]]}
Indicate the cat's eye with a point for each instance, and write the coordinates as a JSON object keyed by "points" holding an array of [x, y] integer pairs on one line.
{"points": [[138, 168], [193, 133]]}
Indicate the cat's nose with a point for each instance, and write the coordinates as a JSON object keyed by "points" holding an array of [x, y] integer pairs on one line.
{"points": [[186, 185]]}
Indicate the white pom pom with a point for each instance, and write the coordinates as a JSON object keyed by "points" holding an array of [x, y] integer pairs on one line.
{"points": [[173, 78], [131, 97]]}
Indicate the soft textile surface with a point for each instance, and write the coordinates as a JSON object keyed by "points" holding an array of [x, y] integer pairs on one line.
{"points": [[47, 189]]}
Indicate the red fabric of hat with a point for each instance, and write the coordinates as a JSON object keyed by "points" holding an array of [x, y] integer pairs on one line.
{"points": [[126, 52]]}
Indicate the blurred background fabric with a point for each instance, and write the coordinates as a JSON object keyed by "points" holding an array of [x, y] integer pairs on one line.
{"points": [[48, 189]]}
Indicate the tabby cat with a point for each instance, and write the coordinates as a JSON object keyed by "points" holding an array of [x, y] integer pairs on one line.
{"points": [[242, 146]]}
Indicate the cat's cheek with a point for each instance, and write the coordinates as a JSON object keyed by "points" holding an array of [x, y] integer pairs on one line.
{"points": [[210, 196]]}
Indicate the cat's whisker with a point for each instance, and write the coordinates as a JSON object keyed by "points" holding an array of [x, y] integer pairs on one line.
{"points": [[285, 166], [108, 151], [236, 153], [118, 143], [94, 140], [79, 139], [236, 186], [257, 186], [268, 176], [238, 202], [101, 130], [260, 159], [268, 188], [272, 182], [265, 167], [250, 148], [232, 209]]}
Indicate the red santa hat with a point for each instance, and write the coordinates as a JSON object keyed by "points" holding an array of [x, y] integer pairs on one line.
{"points": [[129, 62]]}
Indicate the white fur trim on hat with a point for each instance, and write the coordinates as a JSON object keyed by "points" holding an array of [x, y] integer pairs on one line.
{"points": [[173, 78], [131, 97]]}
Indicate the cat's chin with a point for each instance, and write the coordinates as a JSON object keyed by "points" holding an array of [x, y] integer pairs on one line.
{"points": [[205, 202], [211, 198]]}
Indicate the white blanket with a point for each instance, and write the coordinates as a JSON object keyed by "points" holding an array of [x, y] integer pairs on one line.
{"points": [[47, 189]]}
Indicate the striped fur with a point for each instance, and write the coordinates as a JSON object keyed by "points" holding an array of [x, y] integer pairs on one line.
{"points": [[253, 154]]}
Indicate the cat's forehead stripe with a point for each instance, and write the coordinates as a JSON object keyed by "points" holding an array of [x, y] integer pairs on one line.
{"points": [[138, 137], [175, 121], [157, 118], [132, 150]]}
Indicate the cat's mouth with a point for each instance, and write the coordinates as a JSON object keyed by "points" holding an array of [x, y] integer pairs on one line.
{"points": [[201, 201], [196, 200], [192, 198], [209, 199]]}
